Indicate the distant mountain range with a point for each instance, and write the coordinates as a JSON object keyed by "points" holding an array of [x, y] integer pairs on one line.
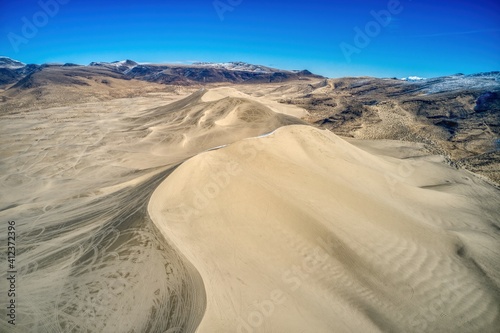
{"points": [[11, 71]]}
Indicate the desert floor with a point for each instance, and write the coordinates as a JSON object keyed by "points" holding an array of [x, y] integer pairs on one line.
{"points": [[222, 211]]}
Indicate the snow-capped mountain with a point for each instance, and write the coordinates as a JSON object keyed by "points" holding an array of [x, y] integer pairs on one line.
{"points": [[123, 66], [236, 66], [204, 72], [6, 62], [114, 63], [480, 81], [412, 78], [12, 71]]}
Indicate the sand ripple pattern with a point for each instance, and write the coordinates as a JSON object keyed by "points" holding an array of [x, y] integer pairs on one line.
{"points": [[77, 181], [301, 231]]}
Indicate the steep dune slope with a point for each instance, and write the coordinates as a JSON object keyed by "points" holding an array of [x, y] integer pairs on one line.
{"points": [[300, 231], [76, 179]]}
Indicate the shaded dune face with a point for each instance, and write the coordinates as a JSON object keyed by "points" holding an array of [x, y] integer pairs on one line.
{"points": [[77, 181], [193, 125], [301, 231]]}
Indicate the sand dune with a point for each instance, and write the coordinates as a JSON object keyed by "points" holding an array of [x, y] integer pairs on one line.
{"points": [[301, 231], [77, 185], [257, 223], [216, 94], [77, 180]]}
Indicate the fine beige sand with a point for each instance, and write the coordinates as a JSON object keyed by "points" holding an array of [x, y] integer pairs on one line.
{"points": [[77, 179], [220, 210], [301, 231]]}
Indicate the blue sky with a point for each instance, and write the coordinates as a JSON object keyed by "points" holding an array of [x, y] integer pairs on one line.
{"points": [[332, 38]]}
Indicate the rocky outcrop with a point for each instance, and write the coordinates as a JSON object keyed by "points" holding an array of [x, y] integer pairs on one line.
{"points": [[489, 101], [456, 116]]}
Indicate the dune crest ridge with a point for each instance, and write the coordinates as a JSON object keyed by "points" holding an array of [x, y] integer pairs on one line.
{"points": [[77, 179], [302, 231]]}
